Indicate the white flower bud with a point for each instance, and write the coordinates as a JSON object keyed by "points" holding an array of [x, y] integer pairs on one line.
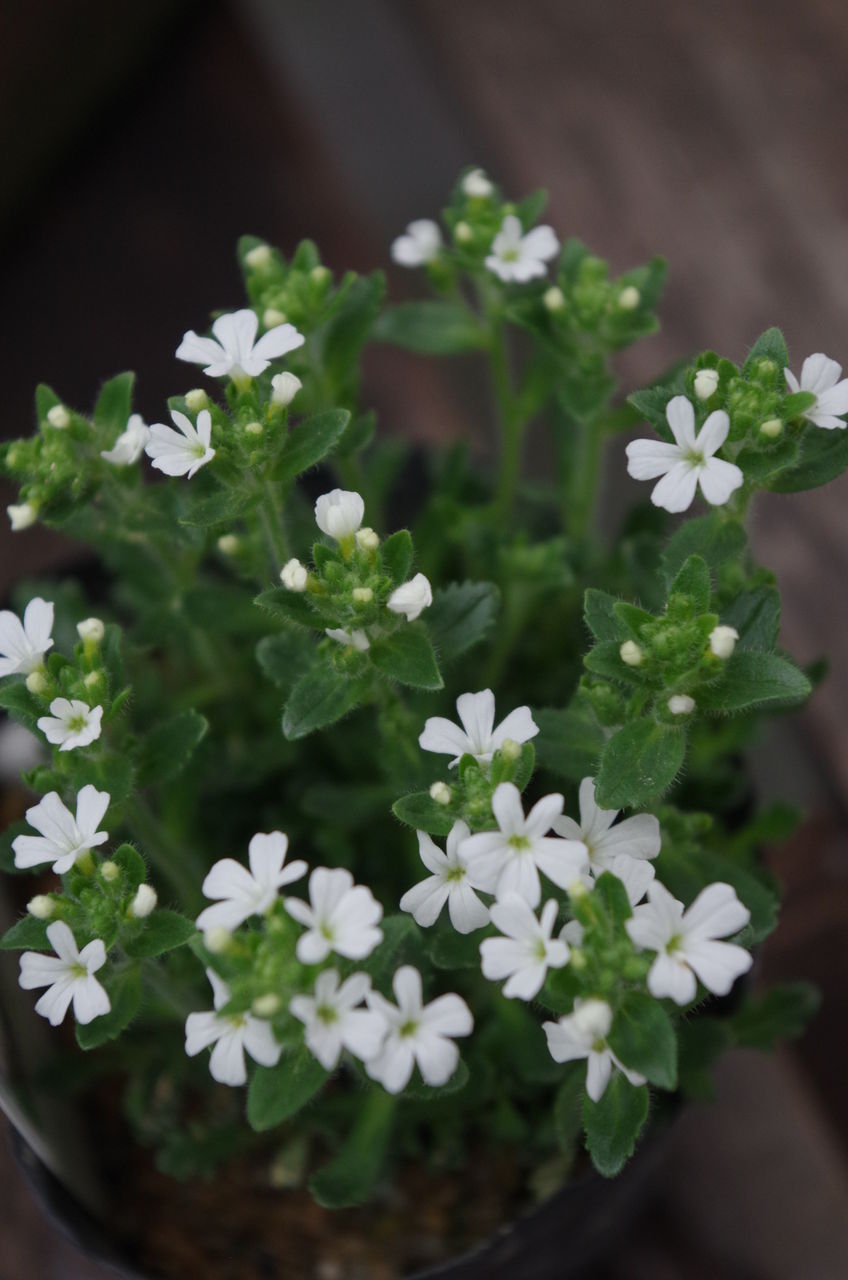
{"points": [[510, 749], [631, 654], [293, 575], [554, 298], [285, 387], [93, 678], [629, 298], [217, 940], [367, 539], [253, 428], [266, 1006], [339, 513], [59, 417], [680, 704], [144, 901], [271, 317], [723, 641], [440, 793], [91, 629], [593, 1018], [476, 185], [706, 383], [196, 400], [21, 515], [36, 682], [463, 233], [258, 258], [357, 639], [41, 906], [319, 274], [411, 598], [228, 544], [362, 595], [110, 872], [772, 428], [577, 889]]}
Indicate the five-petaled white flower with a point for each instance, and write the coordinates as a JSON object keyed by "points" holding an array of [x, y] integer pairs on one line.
{"points": [[411, 598], [417, 1032], [129, 446], [357, 639], [339, 513], [71, 723], [527, 951], [420, 244], [234, 350], [519, 257], [24, 644], [449, 884], [478, 736], [685, 941], [634, 873], [244, 893], [182, 452], [688, 462], [821, 376], [511, 858], [63, 837], [340, 916], [69, 976], [231, 1035], [334, 1022], [583, 1034], [637, 838]]}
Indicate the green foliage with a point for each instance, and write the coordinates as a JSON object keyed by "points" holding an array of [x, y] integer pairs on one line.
{"points": [[407, 656], [26, 934], [431, 328], [569, 741], [461, 616], [124, 988], [643, 1038], [348, 1178], [613, 1124], [638, 764], [311, 441], [751, 679], [163, 931], [276, 1094], [421, 812], [168, 748], [319, 698], [781, 1014]]}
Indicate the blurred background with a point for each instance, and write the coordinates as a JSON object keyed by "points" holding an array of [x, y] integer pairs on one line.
{"points": [[137, 142]]}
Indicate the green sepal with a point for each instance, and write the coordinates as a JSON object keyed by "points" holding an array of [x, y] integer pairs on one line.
{"points": [[613, 1124], [642, 1037], [278, 1093], [407, 656]]}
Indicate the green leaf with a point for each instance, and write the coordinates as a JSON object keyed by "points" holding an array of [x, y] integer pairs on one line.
{"points": [[402, 944], [714, 538], [310, 441], [294, 606], [605, 660], [451, 950], [613, 895], [132, 865], [693, 580], [700, 1043], [638, 763], [823, 455], [770, 345], [319, 698], [613, 1124], [600, 616], [45, 399], [26, 934], [781, 1014], [357, 435], [349, 1177], [162, 931], [114, 404], [421, 812], [461, 616], [221, 507], [752, 679], [7, 853], [568, 1108], [418, 1091], [124, 990], [278, 1093], [397, 556], [352, 324], [756, 616], [16, 698], [650, 403], [569, 741], [642, 1037], [284, 657], [407, 656], [431, 328], [168, 748]]}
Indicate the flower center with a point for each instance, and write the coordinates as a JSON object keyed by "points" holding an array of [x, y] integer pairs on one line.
{"points": [[509, 255], [236, 1019], [79, 970], [455, 874], [519, 843], [674, 944], [326, 931], [326, 1014], [599, 1045], [540, 950], [408, 1028], [695, 458], [76, 723]]}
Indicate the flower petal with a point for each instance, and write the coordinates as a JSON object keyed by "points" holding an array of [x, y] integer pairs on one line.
{"points": [[647, 459], [718, 480], [680, 416], [676, 491]]}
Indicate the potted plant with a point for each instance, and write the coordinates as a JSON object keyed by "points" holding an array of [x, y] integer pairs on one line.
{"points": [[395, 878]]}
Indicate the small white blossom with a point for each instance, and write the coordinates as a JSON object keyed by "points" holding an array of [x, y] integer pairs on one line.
{"points": [[334, 1022], [417, 1033], [723, 641], [411, 598], [706, 383], [476, 185], [340, 916], [356, 639], [182, 452], [631, 654], [284, 388], [518, 257], [685, 941], [680, 704], [59, 417], [449, 883], [339, 513], [478, 736], [629, 298], [821, 376], [232, 1035], [234, 351], [64, 838], [367, 539], [294, 576], [463, 232], [71, 724], [69, 976], [687, 463], [41, 906], [91, 629], [527, 951], [24, 644], [637, 838], [110, 871], [420, 245], [129, 446], [242, 893], [21, 515], [511, 858], [144, 902], [583, 1034]]}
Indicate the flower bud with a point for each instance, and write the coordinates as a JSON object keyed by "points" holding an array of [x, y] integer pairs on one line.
{"points": [[319, 274], [285, 387], [339, 513], [680, 704], [110, 871], [21, 515], [411, 598], [59, 417], [723, 641], [577, 890], [253, 428], [258, 258], [196, 400], [91, 629], [362, 595], [440, 793], [266, 1006], [463, 232], [36, 682], [271, 317], [144, 901], [228, 544], [476, 185], [629, 298], [367, 539], [577, 960], [706, 383], [631, 654], [217, 940], [772, 428], [510, 749], [293, 575], [554, 299], [41, 906], [93, 678]]}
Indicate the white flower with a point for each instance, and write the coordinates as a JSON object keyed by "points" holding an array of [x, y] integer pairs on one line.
{"points": [[706, 383], [821, 376], [59, 417], [284, 388], [23, 645], [478, 736], [71, 724], [637, 838], [63, 837], [182, 452], [411, 598], [511, 858], [21, 515], [528, 950], [340, 917], [687, 463], [476, 185], [294, 576], [234, 351], [333, 1022], [69, 976], [583, 1034], [231, 1035], [357, 639], [416, 1032], [680, 704], [519, 257], [685, 941], [449, 884], [339, 513], [723, 641], [129, 446], [420, 245], [244, 893], [144, 902]]}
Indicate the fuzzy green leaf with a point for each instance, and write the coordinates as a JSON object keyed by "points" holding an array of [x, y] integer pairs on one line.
{"points": [[26, 934], [348, 1178], [569, 741], [600, 616], [320, 697], [132, 865], [311, 441], [431, 328], [781, 1014], [168, 748], [642, 1037], [284, 657], [714, 538], [418, 1091], [124, 991], [823, 455], [638, 763], [278, 1093], [396, 552], [770, 345], [408, 657], [21, 705], [294, 606], [162, 931], [752, 679], [756, 616], [114, 404], [693, 580], [613, 1124], [221, 507], [421, 812], [461, 616]]}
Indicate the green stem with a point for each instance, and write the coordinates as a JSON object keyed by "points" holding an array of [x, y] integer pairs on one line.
{"points": [[512, 425], [271, 516], [580, 494]]}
